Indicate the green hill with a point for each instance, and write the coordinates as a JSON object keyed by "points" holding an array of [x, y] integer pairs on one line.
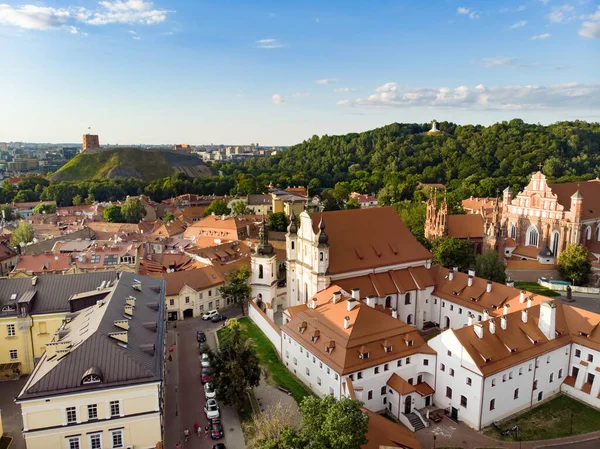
{"points": [[129, 162]]}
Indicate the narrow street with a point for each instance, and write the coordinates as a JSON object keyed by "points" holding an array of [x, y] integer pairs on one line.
{"points": [[184, 402]]}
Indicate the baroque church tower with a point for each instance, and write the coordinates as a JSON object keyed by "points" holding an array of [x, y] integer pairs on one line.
{"points": [[264, 272]]}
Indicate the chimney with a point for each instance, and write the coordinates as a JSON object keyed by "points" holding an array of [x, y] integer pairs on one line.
{"points": [[394, 313], [356, 293], [351, 304], [314, 303], [529, 302], [337, 296], [503, 322], [488, 287], [470, 320], [346, 322], [470, 280], [428, 264], [34, 281], [547, 321], [505, 311], [510, 284], [455, 269], [371, 300], [524, 315], [450, 275], [522, 297], [492, 326], [478, 328], [486, 314], [471, 272]]}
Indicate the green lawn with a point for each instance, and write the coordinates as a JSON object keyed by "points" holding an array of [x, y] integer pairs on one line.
{"points": [[267, 354], [551, 420], [430, 336], [534, 287], [4, 442]]}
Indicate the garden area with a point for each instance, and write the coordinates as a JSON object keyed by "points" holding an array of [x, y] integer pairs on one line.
{"points": [[561, 417], [278, 374], [534, 287]]}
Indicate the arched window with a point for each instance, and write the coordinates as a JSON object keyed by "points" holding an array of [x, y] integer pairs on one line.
{"points": [[321, 256], [92, 376], [555, 240], [409, 319], [513, 231], [260, 272], [588, 233], [532, 236], [407, 298], [388, 302], [293, 244]]}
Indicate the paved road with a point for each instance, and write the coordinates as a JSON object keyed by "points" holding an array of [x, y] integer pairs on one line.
{"points": [[583, 301], [11, 412], [185, 394]]}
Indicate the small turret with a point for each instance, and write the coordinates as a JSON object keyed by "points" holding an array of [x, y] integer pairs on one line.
{"points": [[577, 204], [293, 226], [264, 247], [323, 238]]}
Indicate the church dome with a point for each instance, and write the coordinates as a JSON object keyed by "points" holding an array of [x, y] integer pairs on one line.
{"points": [[293, 226], [323, 238]]}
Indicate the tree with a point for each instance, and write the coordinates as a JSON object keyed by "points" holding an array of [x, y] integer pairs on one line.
{"points": [[7, 213], [169, 217], [22, 234], [77, 200], [489, 266], [234, 366], [452, 253], [413, 215], [112, 214], [26, 196], [237, 290], [241, 208], [278, 222], [217, 207], [45, 208], [269, 428], [133, 210], [353, 203], [574, 264]]}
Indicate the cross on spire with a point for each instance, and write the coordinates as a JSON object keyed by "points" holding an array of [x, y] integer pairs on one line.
{"points": [[540, 165]]}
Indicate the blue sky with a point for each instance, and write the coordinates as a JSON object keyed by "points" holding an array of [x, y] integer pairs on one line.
{"points": [[277, 72]]}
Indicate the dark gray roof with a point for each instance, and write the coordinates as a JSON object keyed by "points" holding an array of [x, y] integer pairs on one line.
{"points": [[256, 200], [52, 292], [119, 364]]}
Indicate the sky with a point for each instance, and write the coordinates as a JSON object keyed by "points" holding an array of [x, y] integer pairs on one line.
{"points": [[279, 72]]}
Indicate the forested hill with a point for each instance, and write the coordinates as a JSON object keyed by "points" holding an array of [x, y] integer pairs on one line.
{"points": [[470, 160]]}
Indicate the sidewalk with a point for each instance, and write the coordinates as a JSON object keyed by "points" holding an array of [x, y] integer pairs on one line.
{"points": [[269, 396]]}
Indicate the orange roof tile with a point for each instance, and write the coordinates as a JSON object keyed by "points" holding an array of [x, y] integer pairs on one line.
{"points": [[400, 385], [383, 433], [197, 279], [589, 190], [466, 226], [526, 251]]}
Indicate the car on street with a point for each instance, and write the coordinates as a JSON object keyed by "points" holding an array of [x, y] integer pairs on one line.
{"points": [[209, 391], [200, 337], [205, 376], [218, 446], [218, 317], [211, 409], [208, 315], [205, 361], [216, 429]]}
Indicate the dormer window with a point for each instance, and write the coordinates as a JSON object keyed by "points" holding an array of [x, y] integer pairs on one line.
{"points": [[387, 346], [363, 353], [409, 343], [315, 336], [302, 327], [330, 347], [92, 376]]}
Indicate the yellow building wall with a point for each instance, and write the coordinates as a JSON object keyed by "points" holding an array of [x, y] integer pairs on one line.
{"points": [[141, 431], [43, 329], [277, 205]]}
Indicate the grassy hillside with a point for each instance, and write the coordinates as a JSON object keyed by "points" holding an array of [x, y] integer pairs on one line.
{"points": [[125, 162]]}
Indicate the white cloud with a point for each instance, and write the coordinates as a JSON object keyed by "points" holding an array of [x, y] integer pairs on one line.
{"points": [[468, 12], [591, 28], [540, 36], [519, 24], [32, 17], [545, 2], [277, 99], [326, 81], [560, 14], [269, 43], [344, 90], [571, 95], [300, 94], [500, 61], [521, 8]]}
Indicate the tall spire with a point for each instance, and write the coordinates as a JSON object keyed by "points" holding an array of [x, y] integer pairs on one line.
{"points": [[264, 247], [323, 238]]}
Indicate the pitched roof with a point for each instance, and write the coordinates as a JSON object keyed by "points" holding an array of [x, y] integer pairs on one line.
{"points": [[524, 341], [161, 263], [369, 331], [390, 282], [589, 190], [368, 238], [400, 385], [385, 434], [526, 251], [466, 226], [197, 279], [92, 348], [257, 200]]}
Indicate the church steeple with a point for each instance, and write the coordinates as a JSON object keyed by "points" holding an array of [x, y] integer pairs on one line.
{"points": [[264, 247]]}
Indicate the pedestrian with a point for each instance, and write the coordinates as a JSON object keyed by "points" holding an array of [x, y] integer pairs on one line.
{"points": [[199, 431], [178, 445], [196, 427], [206, 431]]}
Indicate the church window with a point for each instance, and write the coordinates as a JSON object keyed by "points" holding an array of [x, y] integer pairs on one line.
{"points": [[407, 298], [532, 236], [321, 256], [555, 240], [260, 272], [588, 233], [513, 231], [293, 244]]}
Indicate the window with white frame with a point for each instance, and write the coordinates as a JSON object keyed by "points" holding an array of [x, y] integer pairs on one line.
{"points": [[10, 330], [92, 411], [73, 443], [71, 415], [116, 437], [532, 236], [115, 408], [95, 441], [13, 354]]}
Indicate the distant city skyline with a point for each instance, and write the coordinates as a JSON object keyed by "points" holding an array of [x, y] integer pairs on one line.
{"points": [[201, 72]]}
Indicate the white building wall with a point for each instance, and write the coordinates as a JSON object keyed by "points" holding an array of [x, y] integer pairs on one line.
{"points": [[265, 325], [458, 314]]}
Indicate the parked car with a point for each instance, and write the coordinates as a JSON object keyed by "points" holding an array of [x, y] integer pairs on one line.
{"points": [[200, 337], [216, 429], [208, 315], [205, 376], [211, 409], [205, 361], [218, 446], [218, 317], [209, 391]]}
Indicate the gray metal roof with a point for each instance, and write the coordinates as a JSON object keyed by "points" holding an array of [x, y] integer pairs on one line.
{"points": [[258, 199], [94, 348], [52, 292]]}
